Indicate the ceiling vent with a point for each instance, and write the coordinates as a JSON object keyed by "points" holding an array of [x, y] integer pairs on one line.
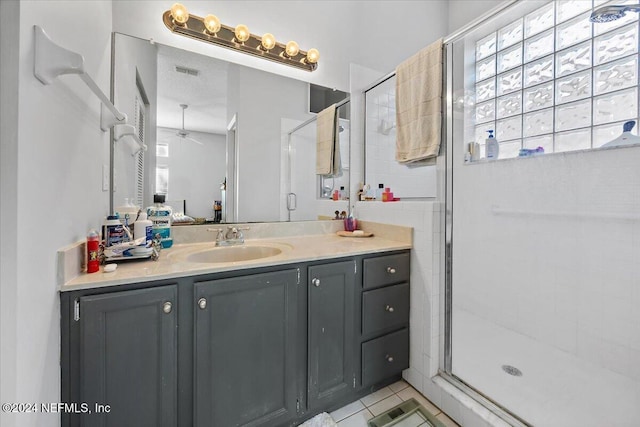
{"points": [[188, 71]]}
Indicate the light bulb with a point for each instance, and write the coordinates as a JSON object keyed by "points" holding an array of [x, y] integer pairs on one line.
{"points": [[242, 33], [179, 13], [292, 49], [212, 23], [268, 41], [312, 56]]}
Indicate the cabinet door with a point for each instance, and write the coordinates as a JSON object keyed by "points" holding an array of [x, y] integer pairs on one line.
{"points": [[128, 353], [245, 350], [331, 332]]}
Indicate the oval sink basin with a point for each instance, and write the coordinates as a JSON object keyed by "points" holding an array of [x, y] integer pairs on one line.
{"points": [[233, 254]]}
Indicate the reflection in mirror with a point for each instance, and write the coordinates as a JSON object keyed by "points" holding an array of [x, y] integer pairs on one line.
{"points": [[405, 182], [316, 194], [216, 131]]}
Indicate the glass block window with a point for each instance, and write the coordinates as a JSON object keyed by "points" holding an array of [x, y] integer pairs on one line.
{"points": [[553, 79]]}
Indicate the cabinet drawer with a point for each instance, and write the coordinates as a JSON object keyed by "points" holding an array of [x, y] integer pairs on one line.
{"points": [[386, 270], [384, 357], [385, 308]]}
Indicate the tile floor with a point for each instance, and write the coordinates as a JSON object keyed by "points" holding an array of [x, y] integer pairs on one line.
{"points": [[356, 414]]}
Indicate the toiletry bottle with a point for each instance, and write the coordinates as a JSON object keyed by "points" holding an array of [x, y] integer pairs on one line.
{"points": [[113, 231], [379, 191], [474, 149], [467, 153], [143, 227], [93, 249], [492, 147], [217, 210], [387, 196], [626, 138], [343, 194], [160, 216]]}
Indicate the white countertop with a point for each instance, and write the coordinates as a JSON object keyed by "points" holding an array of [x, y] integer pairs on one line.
{"points": [[173, 261]]}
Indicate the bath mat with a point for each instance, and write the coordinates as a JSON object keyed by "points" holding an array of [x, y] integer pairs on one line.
{"points": [[320, 420], [407, 414]]}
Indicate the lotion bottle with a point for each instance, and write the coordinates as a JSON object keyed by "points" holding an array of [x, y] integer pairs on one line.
{"points": [[492, 147], [143, 227]]}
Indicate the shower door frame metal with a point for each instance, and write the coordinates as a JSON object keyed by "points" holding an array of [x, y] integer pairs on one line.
{"points": [[446, 279]]}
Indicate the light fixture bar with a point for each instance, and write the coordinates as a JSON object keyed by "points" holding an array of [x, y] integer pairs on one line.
{"points": [[194, 28]]}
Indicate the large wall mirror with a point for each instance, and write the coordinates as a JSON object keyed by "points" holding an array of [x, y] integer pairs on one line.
{"points": [[215, 131]]}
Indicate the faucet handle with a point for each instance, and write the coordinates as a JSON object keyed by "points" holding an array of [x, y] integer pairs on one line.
{"points": [[239, 234], [220, 235]]}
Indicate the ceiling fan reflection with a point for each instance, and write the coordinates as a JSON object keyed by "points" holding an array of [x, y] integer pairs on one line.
{"points": [[183, 133]]}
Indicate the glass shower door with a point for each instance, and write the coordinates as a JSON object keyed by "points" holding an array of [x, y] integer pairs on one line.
{"points": [[544, 250]]}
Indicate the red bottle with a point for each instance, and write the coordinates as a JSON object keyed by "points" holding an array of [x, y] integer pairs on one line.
{"points": [[93, 249]]}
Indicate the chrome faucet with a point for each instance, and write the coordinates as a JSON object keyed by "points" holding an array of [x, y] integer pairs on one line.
{"points": [[233, 236]]}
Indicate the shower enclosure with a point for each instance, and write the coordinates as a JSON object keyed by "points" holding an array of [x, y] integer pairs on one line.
{"points": [[310, 196], [543, 289]]}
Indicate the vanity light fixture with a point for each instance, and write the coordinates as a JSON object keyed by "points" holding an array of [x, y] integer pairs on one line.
{"points": [[209, 29]]}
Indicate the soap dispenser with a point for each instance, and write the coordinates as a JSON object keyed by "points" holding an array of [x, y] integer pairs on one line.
{"points": [[626, 138], [492, 147]]}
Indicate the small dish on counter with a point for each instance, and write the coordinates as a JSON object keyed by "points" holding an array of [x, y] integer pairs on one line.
{"points": [[355, 233]]}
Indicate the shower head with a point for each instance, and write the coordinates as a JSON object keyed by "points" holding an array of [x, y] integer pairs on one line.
{"points": [[612, 12]]}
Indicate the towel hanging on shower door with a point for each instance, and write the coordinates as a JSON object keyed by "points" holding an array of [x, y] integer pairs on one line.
{"points": [[328, 161], [419, 106]]}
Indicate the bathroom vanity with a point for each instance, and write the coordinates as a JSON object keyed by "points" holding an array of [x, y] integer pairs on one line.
{"points": [[266, 342]]}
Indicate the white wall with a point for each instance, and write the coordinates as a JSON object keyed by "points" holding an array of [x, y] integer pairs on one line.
{"points": [[200, 189], [58, 182]]}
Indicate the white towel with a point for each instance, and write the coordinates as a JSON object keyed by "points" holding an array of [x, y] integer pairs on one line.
{"points": [[419, 106], [320, 420], [328, 143]]}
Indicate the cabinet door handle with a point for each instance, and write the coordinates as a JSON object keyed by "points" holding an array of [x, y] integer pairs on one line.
{"points": [[316, 282], [389, 358], [202, 303], [389, 309], [167, 306], [391, 270]]}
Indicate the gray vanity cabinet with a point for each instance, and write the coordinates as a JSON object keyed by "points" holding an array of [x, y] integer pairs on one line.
{"points": [[128, 354], [245, 350], [270, 346], [385, 317], [331, 341]]}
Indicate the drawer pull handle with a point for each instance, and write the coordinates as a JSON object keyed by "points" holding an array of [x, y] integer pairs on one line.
{"points": [[389, 309], [166, 307], [316, 282], [202, 303], [389, 358], [391, 270]]}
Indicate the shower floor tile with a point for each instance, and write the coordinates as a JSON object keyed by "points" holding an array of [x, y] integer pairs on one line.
{"points": [[555, 389]]}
